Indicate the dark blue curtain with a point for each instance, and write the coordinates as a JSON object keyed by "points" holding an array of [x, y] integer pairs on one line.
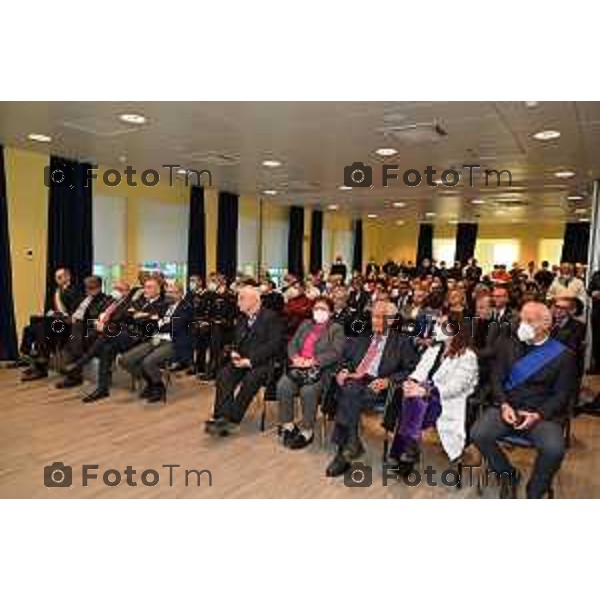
{"points": [[316, 241], [466, 239], [296, 241], [69, 221], [197, 234], [425, 244], [357, 251], [227, 235], [8, 330], [576, 243]]}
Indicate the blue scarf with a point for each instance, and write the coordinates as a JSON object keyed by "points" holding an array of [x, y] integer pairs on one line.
{"points": [[535, 360]]}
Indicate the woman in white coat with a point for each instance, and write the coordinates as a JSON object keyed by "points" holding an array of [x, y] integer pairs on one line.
{"points": [[436, 393]]}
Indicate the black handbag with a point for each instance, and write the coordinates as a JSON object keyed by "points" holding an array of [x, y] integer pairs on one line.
{"points": [[307, 376]]}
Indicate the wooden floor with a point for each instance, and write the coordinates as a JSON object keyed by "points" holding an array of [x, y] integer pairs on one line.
{"points": [[40, 425]]}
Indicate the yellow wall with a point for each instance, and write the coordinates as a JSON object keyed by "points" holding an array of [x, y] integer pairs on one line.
{"points": [[27, 198], [386, 239]]}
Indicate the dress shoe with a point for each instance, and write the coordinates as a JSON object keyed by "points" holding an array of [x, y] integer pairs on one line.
{"points": [[33, 374], [206, 377], [69, 368], [157, 393], [95, 396], [338, 466], [300, 441], [287, 435], [212, 426], [69, 382]]}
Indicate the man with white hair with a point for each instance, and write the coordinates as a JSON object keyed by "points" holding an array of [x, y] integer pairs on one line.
{"points": [[533, 380], [259, 340], [370, 363]]}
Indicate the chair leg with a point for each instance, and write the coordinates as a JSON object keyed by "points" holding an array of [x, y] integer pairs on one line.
{"points": [[263, 416], [386, 447]]}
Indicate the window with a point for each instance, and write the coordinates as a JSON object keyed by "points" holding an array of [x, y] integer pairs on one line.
{"points": [[444, 249], [247, 249], [490, 252], [109, 235], [162, 237], [550, 250], [275, 248]]}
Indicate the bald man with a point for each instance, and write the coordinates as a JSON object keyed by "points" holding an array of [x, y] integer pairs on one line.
{"points": [[533, 377], [258, 341]]}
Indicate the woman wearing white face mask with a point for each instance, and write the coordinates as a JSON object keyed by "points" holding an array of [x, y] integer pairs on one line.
{"points": [[313, 352], [436, 393]]}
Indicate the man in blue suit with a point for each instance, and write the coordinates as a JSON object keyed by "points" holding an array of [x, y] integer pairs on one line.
{"points": [[370, 364]]}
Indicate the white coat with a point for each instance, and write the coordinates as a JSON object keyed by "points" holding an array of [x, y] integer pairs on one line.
{"points": [[455, 380]]}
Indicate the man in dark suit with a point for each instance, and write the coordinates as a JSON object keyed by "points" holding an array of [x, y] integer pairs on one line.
{"points": [[39, 339], [567, 329], [172, 341], [83, 327], [259, 340], [532, 384], [501, 309], [594, 293], [123, 325], [369, 366]]}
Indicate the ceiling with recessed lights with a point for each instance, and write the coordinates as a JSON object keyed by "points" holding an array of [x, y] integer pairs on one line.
{"points": [[295, 152]]}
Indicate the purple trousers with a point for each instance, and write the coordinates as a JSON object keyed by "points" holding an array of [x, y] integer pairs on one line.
{"points": [[416, 415]]}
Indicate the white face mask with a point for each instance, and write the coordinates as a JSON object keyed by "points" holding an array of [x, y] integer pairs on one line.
{"points": [[264, 289], [116, 294], [320, 316], [526, 332], [212, 286]]}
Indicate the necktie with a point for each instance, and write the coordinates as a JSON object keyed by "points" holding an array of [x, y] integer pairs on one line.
{"points": [[369, 357]]}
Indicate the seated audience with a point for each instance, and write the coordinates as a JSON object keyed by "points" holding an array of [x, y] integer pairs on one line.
{"points": [[532, 385], [313, 352], [369, 365], [258, 343]]}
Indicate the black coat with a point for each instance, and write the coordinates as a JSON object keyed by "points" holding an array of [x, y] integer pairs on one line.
{"points": [[549, 391], [264, 341]]}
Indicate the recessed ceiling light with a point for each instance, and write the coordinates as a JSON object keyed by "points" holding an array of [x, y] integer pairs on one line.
{"points": [[271, 163], [499, 213], [345, 187], [546, 135], [580, 211], [564, 174], [574, 198], [399, 204], [453, 222], [123, 158], [386, 151], [270, 192], [182, 171], [39, 137], [333, 207], [477, 201], [430, 214], [400, 222], [584, 220], [133, 118], [371, 216], [531, 103]]}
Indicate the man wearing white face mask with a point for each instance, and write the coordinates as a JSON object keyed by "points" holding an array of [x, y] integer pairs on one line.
{"points": [[533, 380]]}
